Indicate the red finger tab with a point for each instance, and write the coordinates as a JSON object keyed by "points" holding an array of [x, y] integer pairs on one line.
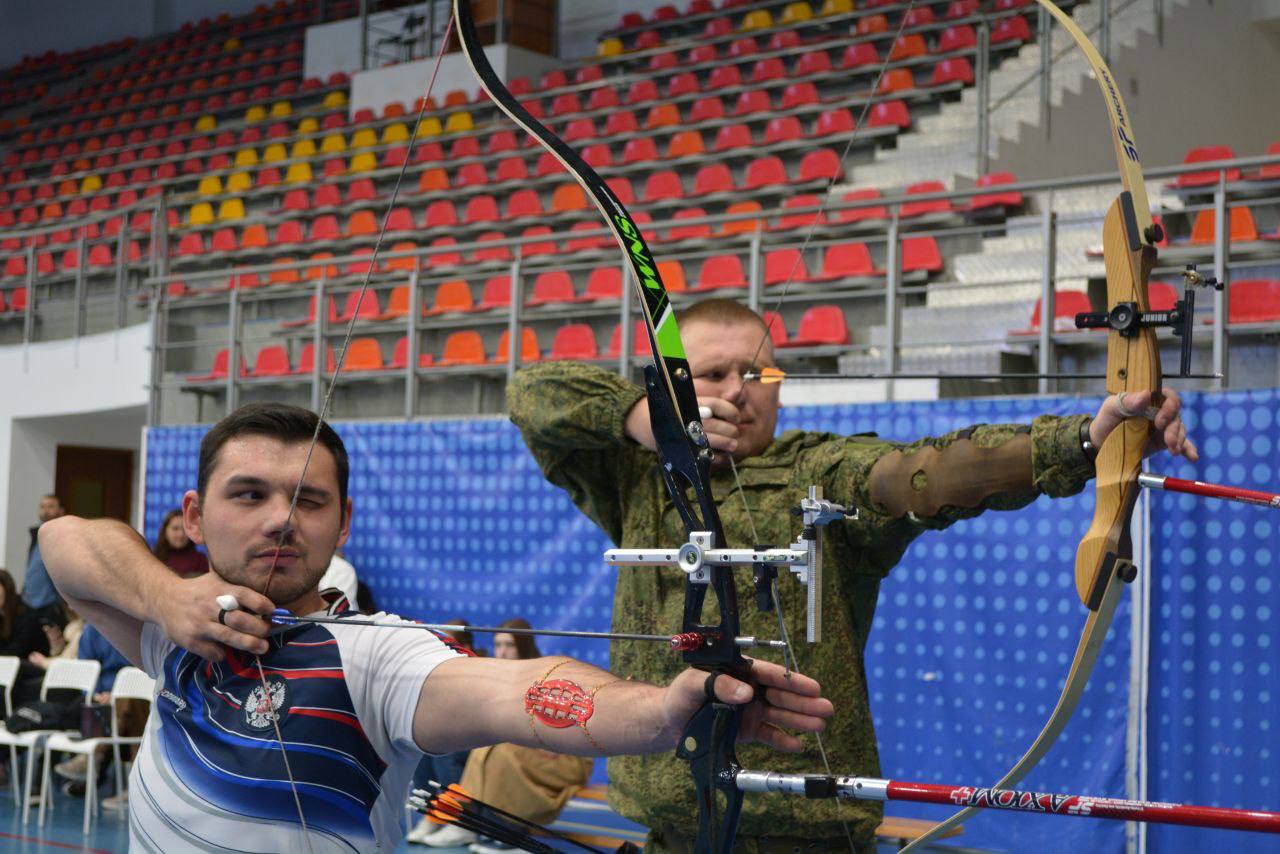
{"points": [[559, 703]]}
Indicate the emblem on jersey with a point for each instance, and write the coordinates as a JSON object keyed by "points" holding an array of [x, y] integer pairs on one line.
{"points": [[261, 707]]}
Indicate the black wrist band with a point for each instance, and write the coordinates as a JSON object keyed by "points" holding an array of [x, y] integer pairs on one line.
{"points": [[1086, 444]]}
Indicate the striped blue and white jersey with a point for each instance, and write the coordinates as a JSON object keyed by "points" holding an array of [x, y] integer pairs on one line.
{"points": [[210, 775]]}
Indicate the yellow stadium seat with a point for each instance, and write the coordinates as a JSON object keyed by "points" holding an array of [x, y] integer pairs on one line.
{"points": [[255, 114], [308, 125], [230, 209], [201, 213], [757, 19], [281, 110], [238, 182], [459, 123], [274, 153], [609, 47], [210, 185], [247, 157], [231, 44], [206, 123], [364, 138], [365, 161], [303, 148], [298, 173], [836, 7], [796, 13], [430, 127], [395, 132], [333, 143], [334, 100], [90, 184]]}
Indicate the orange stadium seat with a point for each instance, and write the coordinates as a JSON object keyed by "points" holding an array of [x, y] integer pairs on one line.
{"points": [[1241, 226], [451, 296], [530, 350], [363, 309], [363, 354]]}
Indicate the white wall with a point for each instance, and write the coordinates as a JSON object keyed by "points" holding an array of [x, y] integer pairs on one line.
{"points": [[89, 391]]}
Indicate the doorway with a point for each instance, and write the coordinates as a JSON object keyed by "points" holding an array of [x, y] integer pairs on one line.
{"points": [[95, 483]]}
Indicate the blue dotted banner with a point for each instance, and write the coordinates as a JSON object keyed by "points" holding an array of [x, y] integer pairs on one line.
{"points": [[975, 629]]}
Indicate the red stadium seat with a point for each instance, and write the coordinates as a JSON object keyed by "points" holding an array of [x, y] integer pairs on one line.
{"points": [[721, 271], [1204, 154], [847, 260], [1254, 301], [574, 341], [272, 361], [783, 265], [921, 254], [552, 287], [821, 325]]}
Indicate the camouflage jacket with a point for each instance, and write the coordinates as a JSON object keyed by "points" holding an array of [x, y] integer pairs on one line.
{"points": [[571, 416]]}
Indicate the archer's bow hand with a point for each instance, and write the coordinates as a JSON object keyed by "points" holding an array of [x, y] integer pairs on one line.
{"points": [[775, 701], [1168, 431], [188, 615]]}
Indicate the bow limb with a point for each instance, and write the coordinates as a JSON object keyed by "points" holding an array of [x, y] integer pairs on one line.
{"points": [[685, 453], [1104, 557]]}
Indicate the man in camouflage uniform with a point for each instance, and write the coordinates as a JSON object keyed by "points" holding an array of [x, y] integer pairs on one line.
{"points": [[588, 429]]}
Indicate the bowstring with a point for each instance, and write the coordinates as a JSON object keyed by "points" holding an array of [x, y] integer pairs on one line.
{"points": [[789, 656], [831, 183], [286, 530]]}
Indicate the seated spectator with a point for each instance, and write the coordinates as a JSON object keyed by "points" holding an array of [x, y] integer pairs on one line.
{"points": [[131, 715], [174, 548], [20, 630], [524, 781]]}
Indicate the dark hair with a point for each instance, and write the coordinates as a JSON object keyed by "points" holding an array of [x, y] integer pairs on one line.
{"points": [[162, 549], [54, 496], [279, 421], [525, 644], [364, 599], [12, 607], [466, 639]]}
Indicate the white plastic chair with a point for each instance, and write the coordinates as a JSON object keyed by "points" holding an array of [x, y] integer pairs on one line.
{"points": [[131, 684], [68, 673], [9, 665]]}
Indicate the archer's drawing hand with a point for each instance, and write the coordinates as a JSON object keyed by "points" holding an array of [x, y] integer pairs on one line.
{"points": [[188, 615], [1168, 430], [775, 701]]}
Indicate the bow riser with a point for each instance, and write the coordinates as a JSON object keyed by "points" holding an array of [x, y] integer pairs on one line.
{"points": [[1133, 364]]}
